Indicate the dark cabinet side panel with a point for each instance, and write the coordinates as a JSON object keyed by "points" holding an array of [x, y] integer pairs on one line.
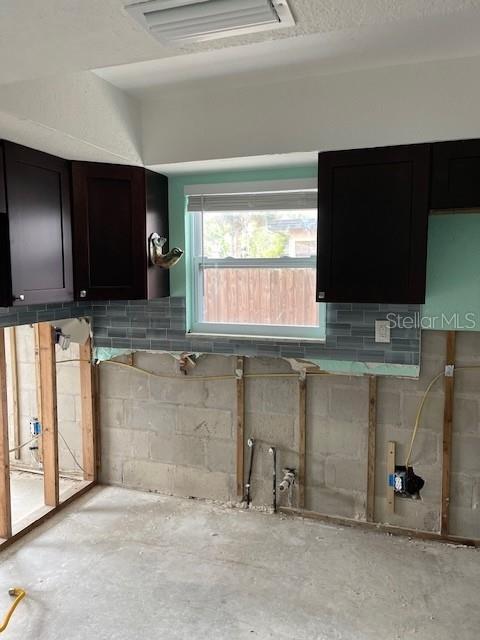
{"points": [[158, 280], [5, 274], [109, 231], [3, 195], [456, 175], [38, 202], [372, 227]]}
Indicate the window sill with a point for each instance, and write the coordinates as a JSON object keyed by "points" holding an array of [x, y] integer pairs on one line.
{"points": [[254, 338]]}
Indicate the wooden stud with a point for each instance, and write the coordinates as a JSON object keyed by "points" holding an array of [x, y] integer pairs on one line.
{"points": [[5, 501], [391, 456], [15, 403], [302, 436], [447, 432], [38, 379], [372, 428], [239, 371], [48, 378], [41, 515], [87, 391]]}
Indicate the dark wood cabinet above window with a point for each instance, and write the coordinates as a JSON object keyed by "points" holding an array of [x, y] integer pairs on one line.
{"points": [[456, 175], [115, 210], [35, 227], [372, 224]]}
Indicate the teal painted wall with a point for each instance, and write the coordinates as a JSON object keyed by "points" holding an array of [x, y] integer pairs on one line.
{"points": [[453, 272], [178, 276]]}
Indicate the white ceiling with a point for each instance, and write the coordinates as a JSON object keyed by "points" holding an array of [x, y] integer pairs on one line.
{"points": [[47, 37], [445, 36]]}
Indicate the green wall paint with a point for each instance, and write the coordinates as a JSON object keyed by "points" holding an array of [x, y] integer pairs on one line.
{"points": [[179, 279], [453, 272]]}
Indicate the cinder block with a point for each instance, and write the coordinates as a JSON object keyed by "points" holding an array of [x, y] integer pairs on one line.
{"points": [[177, 449], [27, 377], [464, 522], [315, 472], [181, 391], [111, 412], [68, 379], [221, 455], [267, 365], [281, 396], [317, 395], [220, 394], [461, 490], [466, 454], [467, 347], [148, 475], [125, 444], [349, 403], [207, 423], [432, 412], [200, 483], [149, 415], [157, 363], [254, 395], [476, 494], [214, 365], [65, 407], [388, 407], [330, 502], [272, 429], [467, 381], [327, 436], [465, 415], [114, 381], [111, 470], [139, 385], [350, 475], [434, 344]]}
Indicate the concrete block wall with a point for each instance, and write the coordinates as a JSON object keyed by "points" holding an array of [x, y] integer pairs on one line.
{"points": [[178, 436], [68, 400]]}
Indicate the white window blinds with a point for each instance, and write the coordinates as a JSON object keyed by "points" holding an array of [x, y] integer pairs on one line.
{"points": [[264, 201]]}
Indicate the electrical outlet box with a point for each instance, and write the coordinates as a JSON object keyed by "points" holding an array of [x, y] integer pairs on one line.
{"points": [[382, 331]]}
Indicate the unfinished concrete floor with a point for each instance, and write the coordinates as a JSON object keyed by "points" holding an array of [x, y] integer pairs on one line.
{"points": [[27, 492], [120, 564]]}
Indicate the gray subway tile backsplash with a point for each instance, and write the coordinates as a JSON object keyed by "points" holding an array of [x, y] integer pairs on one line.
{"points": [[159, 325]]}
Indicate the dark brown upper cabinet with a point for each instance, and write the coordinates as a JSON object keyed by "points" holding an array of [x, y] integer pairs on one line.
{"points": [[372, 225], [456, 175], [35, 227], [115, 210]]}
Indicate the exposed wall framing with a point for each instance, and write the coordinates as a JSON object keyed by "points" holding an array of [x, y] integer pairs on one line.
{"points": [[46, 370], [449, 382]]}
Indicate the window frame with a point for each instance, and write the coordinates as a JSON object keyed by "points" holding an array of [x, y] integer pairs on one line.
{"points": [[194, 230]]}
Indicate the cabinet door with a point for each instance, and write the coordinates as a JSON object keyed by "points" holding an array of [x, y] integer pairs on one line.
{"points": [[456, 175], [109, 231], [38, 203], [372, 224]]}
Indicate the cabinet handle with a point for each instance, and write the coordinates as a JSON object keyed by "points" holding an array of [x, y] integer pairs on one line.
{"points": [[19, 298], [83, 293], [321, 295]]}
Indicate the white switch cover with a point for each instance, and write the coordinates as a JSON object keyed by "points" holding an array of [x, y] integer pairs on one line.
{"points": [[382, 331]]}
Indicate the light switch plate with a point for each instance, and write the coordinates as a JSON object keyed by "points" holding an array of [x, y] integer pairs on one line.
{"points": [[382, 331]]}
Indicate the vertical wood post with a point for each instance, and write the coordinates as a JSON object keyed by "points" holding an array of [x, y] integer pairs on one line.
{"points": [[48, 379], [15, 403], [38, 379], [87, 391], [372, 428], [239, 371], [302, 437], [447, 430], [391, 455], [5, 503]]}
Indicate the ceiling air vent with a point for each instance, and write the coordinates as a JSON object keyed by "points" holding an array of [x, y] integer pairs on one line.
{"points": [[184, 21]]}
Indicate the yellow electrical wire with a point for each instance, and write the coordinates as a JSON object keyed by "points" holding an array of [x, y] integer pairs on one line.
{"points": [[18, 594], [224, 377], [422, 402]]}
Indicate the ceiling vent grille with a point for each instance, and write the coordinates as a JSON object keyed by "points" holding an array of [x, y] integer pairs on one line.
{"points": [[185, 21]]}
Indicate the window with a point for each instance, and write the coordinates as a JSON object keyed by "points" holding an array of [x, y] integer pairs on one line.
{"points": [[253, 260]]}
